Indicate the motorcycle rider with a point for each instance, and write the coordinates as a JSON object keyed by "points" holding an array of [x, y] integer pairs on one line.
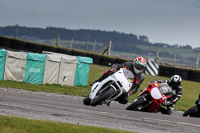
{"points": [[137, 67], [175, 84]]}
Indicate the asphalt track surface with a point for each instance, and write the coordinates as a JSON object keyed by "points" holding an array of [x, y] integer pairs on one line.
{"points": [[70, 109]]}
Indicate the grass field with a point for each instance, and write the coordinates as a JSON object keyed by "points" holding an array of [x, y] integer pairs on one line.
{"points": [[186, 54], [163, 49], [191, 91], [20, 125]]}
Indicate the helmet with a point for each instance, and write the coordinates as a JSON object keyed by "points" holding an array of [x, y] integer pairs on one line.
{"points": [[139, 65], [175, 81]]}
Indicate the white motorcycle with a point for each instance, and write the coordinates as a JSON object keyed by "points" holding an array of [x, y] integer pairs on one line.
{"points": [[110, 88]]}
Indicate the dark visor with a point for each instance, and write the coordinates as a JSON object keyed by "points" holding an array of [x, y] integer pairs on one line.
{"points": [[138, 67]]}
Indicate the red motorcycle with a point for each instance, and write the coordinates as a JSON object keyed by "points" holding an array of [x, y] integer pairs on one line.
{"points": [[151, 98]]}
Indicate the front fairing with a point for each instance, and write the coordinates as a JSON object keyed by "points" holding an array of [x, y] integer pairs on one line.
{"points": [[124, 78], [121, 81], [159, 92], [155, 94]]}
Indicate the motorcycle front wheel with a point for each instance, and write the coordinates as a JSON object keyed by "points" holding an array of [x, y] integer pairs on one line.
{"points": [[192, 112], [102, 97], [86, 100], [134, 105]]}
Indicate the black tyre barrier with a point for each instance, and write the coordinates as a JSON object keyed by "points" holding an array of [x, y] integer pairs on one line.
{"points": [[18, 44], [5, 42], [96, 57], [64, 50], [34, 47], [169, 71], [120, 60], [76, 52], [194, 75], [184, 73], [107, 60], [49, 48], [161, 70]]}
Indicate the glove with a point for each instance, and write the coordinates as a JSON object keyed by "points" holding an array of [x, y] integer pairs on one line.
{"points": [[129, 93], [166, 103], [159, 81], [113, 69]]}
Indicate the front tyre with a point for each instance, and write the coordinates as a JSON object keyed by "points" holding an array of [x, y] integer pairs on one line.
{"points": [[134, 106], [102, 97], [86, 100], [192, 112]]}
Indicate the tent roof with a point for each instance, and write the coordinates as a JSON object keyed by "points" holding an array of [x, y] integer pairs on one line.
{"points": [[55, 58], [36, 57], [16, 55], [85, 59]]}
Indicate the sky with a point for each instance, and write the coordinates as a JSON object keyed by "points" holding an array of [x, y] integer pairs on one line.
{"points": [[162, 21]]}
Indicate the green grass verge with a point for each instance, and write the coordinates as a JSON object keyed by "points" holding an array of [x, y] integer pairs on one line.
{"points": [[10, 124]]}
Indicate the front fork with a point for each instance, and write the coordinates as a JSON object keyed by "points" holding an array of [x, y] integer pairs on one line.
{"points": [[147, 100]]}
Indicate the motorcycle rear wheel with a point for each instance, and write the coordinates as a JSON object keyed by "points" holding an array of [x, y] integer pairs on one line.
{"points": [[135, 105], [102, 97], [192, 112]]}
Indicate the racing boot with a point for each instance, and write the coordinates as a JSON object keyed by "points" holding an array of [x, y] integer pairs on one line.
{"points": [[108, 103]]}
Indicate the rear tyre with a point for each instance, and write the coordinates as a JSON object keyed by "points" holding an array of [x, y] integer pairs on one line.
{"points": [[86, 100], [134, 106], [105, 95], [192, 112]]}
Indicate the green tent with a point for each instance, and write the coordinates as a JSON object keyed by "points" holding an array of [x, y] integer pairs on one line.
{"points": [[35, 65], [2, 62], [82, 70]]}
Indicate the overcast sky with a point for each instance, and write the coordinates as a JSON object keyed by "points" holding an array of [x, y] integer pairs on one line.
{"points": [[165, 21]]}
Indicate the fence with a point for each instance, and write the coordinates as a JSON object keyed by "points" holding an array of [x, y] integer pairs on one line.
{"points": [[10, 43], [158, 60]]}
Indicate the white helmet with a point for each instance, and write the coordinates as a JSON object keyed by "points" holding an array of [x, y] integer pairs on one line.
{"points": [[175, 81]]}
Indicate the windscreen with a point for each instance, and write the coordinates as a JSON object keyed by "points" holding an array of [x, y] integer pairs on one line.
{"points": [[165, 89], [129, 75]]}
